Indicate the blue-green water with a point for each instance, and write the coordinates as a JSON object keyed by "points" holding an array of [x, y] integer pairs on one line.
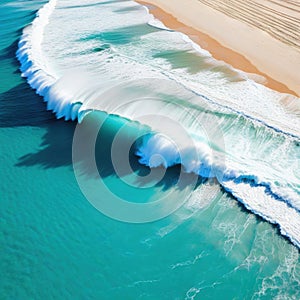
{"points": [[56, 245]]}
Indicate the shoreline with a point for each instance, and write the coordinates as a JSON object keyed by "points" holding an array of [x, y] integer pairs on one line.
{"points": [[217, 49]]}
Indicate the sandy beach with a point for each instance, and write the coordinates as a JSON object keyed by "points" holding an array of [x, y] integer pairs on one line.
{"points": [[259, 37]]}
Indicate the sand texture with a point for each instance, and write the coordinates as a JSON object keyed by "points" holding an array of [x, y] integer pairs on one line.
{"points": [[263, 35]]}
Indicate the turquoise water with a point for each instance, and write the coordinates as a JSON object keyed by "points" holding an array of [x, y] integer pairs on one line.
{"points": [[56, 245]]}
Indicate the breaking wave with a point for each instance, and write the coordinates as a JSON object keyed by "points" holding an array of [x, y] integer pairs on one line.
{"points": [[136, 66]]}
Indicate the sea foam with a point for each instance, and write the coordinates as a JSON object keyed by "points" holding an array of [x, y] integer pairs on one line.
{"points": [[35, 67]]}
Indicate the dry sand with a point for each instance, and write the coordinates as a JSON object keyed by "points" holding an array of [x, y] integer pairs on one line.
{"points": [[260, 36]]}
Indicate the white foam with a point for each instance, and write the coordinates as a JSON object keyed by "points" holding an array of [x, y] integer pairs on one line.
{"points": [[276, 212], [34, 66]]}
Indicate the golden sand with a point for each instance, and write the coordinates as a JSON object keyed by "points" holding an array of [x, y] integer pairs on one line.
{"points": [[227, 21]]}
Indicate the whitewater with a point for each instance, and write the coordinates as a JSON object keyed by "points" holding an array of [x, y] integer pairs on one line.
{"points": [[113, 56]]}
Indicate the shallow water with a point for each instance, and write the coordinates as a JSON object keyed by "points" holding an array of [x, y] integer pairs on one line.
{"points": [[55, 244]]}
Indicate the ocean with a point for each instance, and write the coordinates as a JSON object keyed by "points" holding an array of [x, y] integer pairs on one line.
{"points": [[82, 213]]}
